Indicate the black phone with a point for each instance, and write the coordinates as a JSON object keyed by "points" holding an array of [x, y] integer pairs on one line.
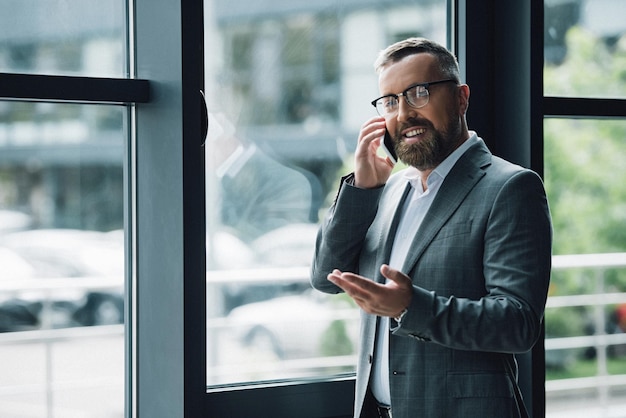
{"points": [[389, 148]]}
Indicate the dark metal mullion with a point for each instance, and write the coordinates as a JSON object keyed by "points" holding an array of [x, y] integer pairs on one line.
{"points": [[73, 89], [536, 361], [583, 107]]}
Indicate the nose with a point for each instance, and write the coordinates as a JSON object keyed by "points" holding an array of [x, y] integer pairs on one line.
{"points": [[405, 111]]}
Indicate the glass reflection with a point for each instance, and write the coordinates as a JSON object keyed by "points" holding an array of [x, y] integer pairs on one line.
{"points": [[63, 37], [585, 48], [62, 257], [287, 91]]}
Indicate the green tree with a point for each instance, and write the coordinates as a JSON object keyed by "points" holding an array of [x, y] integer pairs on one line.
{"points": [[584, 158]]}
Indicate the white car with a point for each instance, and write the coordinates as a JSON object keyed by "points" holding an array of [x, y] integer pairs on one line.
{"points": [[65, 277], [304, 325]]}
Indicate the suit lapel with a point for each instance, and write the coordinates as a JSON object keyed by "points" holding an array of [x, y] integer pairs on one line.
{"points": [[468, 170], [391, 219]]}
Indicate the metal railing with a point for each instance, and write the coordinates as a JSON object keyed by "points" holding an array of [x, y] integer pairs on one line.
{"points": [[49, 385], [600, 341]]}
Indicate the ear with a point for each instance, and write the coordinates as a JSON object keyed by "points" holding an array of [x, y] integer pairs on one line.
{"points": [[464, 93]]}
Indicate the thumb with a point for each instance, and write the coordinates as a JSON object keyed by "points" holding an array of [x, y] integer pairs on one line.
{"points": [[394, 275]]}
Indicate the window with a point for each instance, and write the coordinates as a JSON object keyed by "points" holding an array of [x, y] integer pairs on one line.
{"points": [[285, 102], [62, 246], [64, 148], [65, 38], [584, 48], [584, 131]]}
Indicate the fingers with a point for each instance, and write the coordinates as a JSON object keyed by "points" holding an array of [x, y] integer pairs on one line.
{"points": [[360, 289], [376, 298], [354, 285], [372, 130], [396, 276], [369, 139], [404, 288], [371, 170]]}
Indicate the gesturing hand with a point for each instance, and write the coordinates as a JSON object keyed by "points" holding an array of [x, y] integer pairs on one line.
{"points": [[388, 299]]}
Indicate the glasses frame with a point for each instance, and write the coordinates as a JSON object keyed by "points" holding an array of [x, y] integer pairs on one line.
{"points": [[404, 94]]}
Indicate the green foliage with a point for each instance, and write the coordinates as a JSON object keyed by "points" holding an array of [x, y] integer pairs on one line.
{"points": [[587, 368], [591, 69], [584, 158], [335, 340], [564, 322]]}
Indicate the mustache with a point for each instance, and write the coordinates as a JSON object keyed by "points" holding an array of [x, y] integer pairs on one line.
{"points": [[413, 122]]}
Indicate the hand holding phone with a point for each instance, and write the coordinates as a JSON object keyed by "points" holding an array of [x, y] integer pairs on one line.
{"points": [[389, 148]]}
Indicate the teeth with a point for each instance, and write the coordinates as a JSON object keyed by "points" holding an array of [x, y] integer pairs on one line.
{"points": [[415, 132]]}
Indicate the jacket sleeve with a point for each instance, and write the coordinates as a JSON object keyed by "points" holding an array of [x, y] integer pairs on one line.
{"points": [[342, 234]]}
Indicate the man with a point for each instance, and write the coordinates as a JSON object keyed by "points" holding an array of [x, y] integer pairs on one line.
{"points": [[449, 259]]}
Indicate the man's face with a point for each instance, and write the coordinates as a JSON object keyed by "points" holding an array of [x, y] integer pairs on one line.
{"points": [[425, 136]]}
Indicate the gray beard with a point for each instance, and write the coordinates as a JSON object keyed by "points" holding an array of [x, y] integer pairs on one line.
{"points": [[430, 151]]}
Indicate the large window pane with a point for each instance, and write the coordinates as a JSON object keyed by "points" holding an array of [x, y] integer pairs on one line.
{"points": [[583, 158], [586, 314], [62, 257], [288, 86], [585, 48], [63, 37]]}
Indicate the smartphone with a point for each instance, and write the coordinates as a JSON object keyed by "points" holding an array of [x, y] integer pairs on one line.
{"points": [[389, 148]]}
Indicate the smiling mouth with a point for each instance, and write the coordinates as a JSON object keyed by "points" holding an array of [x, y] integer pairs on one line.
{"points": [[413, 135]]}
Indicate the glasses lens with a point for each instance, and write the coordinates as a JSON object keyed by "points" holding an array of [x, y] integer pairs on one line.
{"points": [[417, 96], [387, 105]]}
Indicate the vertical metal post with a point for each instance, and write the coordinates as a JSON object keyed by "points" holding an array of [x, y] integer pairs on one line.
{"points": [[49, 391], [46, 323], [600, 346]]}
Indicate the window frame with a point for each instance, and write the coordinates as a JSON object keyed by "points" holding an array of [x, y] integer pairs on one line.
{"points": [[168, 338], [69, 89]]}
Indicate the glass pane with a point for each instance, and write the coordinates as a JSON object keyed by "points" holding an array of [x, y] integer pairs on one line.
{"points": [[585, 48], [586, 314], [64, 37], [62, 257], [582, 159], [288, 87]]}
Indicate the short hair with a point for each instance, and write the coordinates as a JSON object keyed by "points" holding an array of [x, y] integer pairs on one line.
{"points": [[448, 64]]}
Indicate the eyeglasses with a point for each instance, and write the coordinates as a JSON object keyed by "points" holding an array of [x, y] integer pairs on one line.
{"points": [[416, 96]]}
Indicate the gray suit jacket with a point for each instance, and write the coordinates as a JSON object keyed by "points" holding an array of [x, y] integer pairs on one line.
{"points": [[480, 265]]}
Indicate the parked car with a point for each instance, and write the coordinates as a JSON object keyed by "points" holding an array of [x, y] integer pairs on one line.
{"points": [[289, 247], [50, 274], [310, 324]]}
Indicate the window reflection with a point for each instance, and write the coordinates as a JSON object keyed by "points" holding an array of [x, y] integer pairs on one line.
{"points": [[287, 90], [585, 48], [62, 258], [66, 37]]}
